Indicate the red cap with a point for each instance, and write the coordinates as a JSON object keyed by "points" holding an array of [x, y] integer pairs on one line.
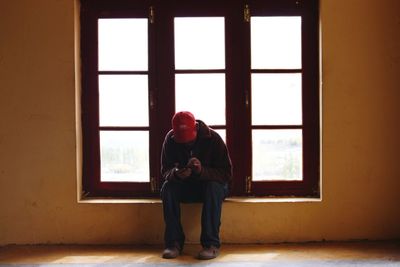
{"points": [[184, 127]]}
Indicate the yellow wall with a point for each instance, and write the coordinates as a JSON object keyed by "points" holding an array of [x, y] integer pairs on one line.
{"points": [[38, 169]]}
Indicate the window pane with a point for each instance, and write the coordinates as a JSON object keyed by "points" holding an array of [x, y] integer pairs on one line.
{"points": [[123, 44], [277, 155], [123, 100], [275, 42], [124, 156], [276, 99], [203, 95], [199, 43]]}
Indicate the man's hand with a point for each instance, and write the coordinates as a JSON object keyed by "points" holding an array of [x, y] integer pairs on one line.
{"points": [[183, 173], [195, 165]]}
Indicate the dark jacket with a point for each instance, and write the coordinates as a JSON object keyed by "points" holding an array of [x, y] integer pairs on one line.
{"points": [[209, 148]]}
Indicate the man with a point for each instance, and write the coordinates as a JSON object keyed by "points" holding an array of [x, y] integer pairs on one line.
{"points": [[196, 167]]}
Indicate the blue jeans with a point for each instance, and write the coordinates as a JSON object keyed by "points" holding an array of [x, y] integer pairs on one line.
{"points": [[210, 193]]}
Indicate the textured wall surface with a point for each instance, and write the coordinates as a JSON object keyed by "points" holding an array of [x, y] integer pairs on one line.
{"points": [[38, 158]]}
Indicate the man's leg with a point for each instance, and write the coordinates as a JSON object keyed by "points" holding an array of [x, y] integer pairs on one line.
{"points": [[214, 194], [170, 195]]}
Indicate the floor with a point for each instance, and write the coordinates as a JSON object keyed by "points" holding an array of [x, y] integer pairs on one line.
{"points": [[305, 254]]}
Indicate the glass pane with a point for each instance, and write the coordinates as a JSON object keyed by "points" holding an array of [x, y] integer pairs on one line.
{"points": [[199, 43], [123, 100], [277, 155], [122, 44], [124, 156], [276, 99], [275, 42], [203, 95]]}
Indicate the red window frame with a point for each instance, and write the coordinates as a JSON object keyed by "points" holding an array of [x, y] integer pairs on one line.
{"points": [[238, 90]]}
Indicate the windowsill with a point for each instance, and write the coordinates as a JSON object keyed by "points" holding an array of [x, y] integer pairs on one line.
{"points": [[272, 199], [227, 200]]}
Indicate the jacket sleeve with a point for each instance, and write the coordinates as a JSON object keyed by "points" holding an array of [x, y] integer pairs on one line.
{"points": [[167, 163], [220, 169]]}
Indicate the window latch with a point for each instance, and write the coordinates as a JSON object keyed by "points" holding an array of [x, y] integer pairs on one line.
{"points": [[246, 13], [151, 96], [247, 99], [151, 14], [248, 184], [153, 184]]}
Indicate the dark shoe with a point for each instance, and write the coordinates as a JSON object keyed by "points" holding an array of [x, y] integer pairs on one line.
{"points": [[170, 253], [209, 253]]}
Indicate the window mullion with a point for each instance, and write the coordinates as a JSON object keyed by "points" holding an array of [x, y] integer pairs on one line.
{"points": [[153, 108], [236, 111], [163, 80]]}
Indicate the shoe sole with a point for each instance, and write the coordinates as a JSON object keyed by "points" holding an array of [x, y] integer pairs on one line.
{"points": [[207, 258]]}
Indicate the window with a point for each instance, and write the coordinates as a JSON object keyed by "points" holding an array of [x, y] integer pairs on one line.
{"points": [[249, 69]]}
